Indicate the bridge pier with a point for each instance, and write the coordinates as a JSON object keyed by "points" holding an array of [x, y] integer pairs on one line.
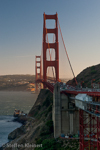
{"points": [[71, 123], [56, 113], [65, 114], [65, 126]]}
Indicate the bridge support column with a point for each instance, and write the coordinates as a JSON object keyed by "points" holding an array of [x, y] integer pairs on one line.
{"points": [[71, 123], [56, 113], [65, 115]]}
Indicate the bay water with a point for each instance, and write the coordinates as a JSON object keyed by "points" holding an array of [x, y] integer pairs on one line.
{"points": [[9, 101]]}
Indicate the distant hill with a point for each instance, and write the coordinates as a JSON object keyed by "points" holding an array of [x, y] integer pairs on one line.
{"points": [[17, 77], [87, 75], [16, 82]]}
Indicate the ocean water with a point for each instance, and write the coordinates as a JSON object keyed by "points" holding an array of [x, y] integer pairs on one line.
{"points": [[9, 101], [7, 126]]}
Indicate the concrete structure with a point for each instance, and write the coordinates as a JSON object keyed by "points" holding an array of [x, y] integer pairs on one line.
{"points": [[65, 114], [56, 113]]}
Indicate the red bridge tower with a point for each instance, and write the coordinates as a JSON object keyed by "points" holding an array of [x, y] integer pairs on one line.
{"points": [[46, 46], [37, 69]]}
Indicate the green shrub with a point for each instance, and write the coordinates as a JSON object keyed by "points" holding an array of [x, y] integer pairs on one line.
{"points": [[93, 71], [92, 68], [47, 129], [52, 144], [39, 141], [50, 108], [48, 101], [47, 144], [39, 107], [35, 114], [50, 125]]}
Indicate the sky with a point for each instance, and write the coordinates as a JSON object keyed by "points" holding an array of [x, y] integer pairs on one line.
{"points": [[21, 29]]}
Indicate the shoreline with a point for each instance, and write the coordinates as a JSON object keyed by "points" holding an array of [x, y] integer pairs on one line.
{"points": [[7, 125]]}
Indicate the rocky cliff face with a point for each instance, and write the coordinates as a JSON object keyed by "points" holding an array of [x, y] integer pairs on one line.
{"points": [[38, 125]]}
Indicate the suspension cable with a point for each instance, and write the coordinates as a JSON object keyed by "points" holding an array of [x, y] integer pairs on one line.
{"points": [[67, 54], [42, 59]]}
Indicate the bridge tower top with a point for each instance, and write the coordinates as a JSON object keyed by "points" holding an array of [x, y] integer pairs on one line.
{"points": [[48, 45]]}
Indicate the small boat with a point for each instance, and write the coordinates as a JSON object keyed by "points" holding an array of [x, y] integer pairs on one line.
{"points": [[16, 113], [20, 116]]}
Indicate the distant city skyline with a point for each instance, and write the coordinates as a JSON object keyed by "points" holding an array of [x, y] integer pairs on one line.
{"points": [[21, 29]]}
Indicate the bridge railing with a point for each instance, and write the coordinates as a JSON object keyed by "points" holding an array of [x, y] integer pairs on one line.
{"points": [[89, 107]]}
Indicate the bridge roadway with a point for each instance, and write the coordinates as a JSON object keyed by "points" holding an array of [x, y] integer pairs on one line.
{"points": [[90, 107], [75, 92], [70, 91]]}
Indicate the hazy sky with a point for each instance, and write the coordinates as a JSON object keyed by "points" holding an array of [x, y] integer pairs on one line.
{"points": [[21, 28]]}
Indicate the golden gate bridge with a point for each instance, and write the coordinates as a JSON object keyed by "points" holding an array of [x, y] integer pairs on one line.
{"points": [[89, 117]]}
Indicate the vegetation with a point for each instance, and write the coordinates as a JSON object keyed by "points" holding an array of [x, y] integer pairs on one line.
{"points": [[87, 75], [57, 144]]}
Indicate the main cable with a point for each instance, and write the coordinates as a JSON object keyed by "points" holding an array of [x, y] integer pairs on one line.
{"points": [[67, 54]]}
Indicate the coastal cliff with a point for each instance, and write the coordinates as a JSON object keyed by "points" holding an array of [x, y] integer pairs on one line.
{"points": [[37, 133], [38, 125]]}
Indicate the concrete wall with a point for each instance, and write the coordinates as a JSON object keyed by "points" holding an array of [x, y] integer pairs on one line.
{"points": [[65, 118], [65, 127], [56, 114], [76, 122]]}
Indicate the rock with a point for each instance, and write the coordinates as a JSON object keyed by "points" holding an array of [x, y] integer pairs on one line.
{"points": [[17, 132], [21, 119]]}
